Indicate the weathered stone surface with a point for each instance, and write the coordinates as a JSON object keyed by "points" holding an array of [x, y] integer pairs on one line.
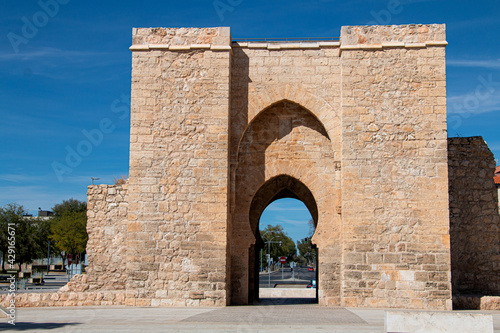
{"points": [[66, 298], [437, 322], [378, 34], [107, 210], [490, 303], [394, 171], [178, 185]]}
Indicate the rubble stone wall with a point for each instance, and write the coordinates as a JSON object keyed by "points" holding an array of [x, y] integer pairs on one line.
{"points": [[107, 207], [474, 218]]}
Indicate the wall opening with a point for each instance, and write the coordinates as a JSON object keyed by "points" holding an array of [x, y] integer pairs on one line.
{"points": [[286, 228], [285, 152], [283, 212]]}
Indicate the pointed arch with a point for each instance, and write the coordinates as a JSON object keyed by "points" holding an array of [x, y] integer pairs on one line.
{"points": [[269, 107], [278, 187], [285, 151], [261, 99]]}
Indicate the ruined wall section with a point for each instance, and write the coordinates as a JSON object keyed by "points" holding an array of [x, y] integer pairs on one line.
{"points": [[107, 207], [177, 228], [395, 167], [474, 218]]}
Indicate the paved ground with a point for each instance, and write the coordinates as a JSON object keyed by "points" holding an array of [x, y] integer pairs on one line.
{"points": [[300, 276], [268, 316]]}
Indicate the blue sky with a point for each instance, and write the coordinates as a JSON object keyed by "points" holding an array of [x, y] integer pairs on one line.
{"points": [[65, 75], [291, 214]]}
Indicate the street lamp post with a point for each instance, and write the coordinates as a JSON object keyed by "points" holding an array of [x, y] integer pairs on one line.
{"points": [[261, 268], [48, 257], [269, 259]]}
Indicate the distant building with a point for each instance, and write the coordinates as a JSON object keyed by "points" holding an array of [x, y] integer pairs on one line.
{"points": [[42, 215], [45, 213]]}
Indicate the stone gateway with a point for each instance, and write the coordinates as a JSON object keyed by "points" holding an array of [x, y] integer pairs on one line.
{"points": [[355, 128]]}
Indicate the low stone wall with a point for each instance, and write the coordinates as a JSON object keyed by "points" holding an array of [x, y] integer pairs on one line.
{"points": [[61, 298], [287, 293], [74, 293], [476, 302]]}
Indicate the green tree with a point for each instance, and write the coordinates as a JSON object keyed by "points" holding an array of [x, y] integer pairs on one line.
{"points": [[69, 227], [11, 213], [277, 234], [67, 206], [306, 250], [27, 236], [42, 236]]}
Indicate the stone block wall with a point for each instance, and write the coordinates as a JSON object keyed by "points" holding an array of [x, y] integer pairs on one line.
{"points": [[474, 218], [107, 207], [395, 167], [177, 220]]}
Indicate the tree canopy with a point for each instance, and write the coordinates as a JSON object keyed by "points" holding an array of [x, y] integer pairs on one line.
{"points": [[277, 234], [306, 250], [69, 206], [69, 226], [66, 229], [29, 234]]}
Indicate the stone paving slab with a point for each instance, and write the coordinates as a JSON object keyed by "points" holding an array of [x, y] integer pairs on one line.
{"points": [[437, 322], [284, 314], [257, 318]]}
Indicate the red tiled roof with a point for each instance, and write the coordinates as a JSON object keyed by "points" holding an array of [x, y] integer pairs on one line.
{"points": [[497, 180], [497, 171]]}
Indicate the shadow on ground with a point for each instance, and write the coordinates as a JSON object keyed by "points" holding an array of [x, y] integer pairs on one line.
{"points": [[28, 326]]}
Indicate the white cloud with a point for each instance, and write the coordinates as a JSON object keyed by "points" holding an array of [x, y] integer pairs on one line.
{"points": [[18, 178], [481, 98], [47, 52], [287, 205], [276, 208], [297, 223], [491, 64], [471, 104]]}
